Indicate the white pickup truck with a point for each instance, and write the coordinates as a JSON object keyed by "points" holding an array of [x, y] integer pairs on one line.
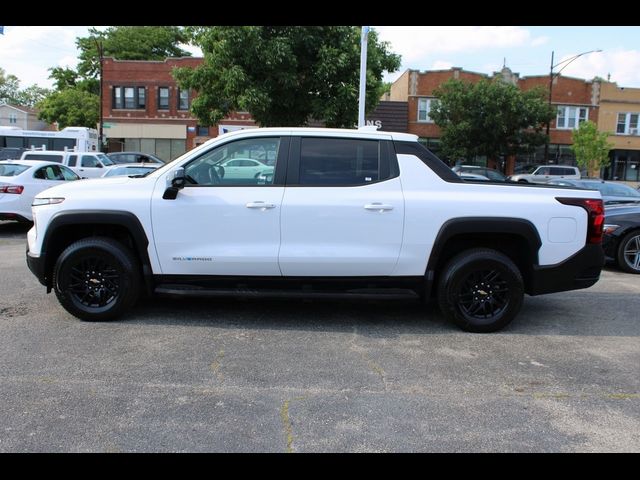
{"points": [[351, 213]]}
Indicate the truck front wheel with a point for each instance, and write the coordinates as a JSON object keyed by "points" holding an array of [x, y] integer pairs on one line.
{"points": [[96, 279], [480, 290]]}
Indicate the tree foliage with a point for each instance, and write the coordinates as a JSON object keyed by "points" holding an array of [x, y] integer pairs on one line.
{"points": [[76, 99], [591, 148], [10, 91], [490, 118], [284, 75], [70, 107], [129, 43]]}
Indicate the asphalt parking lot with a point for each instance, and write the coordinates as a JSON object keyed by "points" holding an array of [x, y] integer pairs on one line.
{"points": [[300, 376]]}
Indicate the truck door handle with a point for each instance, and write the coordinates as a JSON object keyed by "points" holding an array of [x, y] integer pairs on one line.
{"points": [[261, 205], [379, 207]]}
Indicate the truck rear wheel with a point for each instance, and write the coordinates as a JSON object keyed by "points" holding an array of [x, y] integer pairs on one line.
{"points": [[480, 290], [96, 279]]}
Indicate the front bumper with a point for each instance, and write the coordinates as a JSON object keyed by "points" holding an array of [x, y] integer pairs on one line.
{"points": [[581, 270], [36, 265]]}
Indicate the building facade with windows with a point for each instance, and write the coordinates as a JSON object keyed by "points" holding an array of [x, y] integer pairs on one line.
{"points": [[576, 100], [144, 109], [21, 117], [620, 118]]}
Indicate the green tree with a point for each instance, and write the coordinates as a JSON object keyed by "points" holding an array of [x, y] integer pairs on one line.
{"points": [[129, 43], [10, 91], [591, 148], [70, 107], [490, 118], [9, 87], [31, 96], [76, 99], [284, 75]]}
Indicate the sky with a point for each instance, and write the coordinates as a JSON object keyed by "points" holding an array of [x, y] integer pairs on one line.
{"points": [[28, 52]]}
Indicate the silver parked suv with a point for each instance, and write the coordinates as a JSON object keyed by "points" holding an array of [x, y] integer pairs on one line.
{"points": [[544, 173]]}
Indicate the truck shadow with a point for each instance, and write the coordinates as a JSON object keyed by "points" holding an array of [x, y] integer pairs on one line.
{"points": [[575, 314]]}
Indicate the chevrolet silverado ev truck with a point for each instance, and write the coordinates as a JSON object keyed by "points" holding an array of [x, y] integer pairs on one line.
{"points": [[350, 213]]}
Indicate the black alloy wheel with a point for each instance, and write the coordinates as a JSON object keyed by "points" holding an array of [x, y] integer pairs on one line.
{"points": [[96, 279], [480, 290]]}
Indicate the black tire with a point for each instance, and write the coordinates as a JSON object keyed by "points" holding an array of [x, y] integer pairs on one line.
{"points": [[628, 255], [480, 290], [522, 180], [97, 279]]}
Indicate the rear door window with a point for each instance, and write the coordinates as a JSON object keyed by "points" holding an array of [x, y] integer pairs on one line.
{"points": [[42, 156], [339, 161]]}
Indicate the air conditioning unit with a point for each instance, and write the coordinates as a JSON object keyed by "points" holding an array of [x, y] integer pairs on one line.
{"points": [[633, 131]]}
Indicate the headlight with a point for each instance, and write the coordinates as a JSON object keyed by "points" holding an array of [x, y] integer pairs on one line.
{"points": [[46, 201], [608, 229]]}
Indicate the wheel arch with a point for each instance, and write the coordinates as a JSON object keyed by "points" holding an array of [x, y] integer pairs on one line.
{"points": [[517, 238], [69, 226]]}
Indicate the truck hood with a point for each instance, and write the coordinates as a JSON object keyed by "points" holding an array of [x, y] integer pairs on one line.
{"points": [[87, 185]]}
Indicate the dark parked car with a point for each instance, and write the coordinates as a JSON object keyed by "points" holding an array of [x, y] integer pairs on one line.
{"points": [[134, 157], [490, 174], [11, 153], [612, 192], [621, 240]]}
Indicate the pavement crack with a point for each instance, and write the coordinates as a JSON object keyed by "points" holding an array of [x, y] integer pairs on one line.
{"points": [[215, 366], [373, 366], [286, 422]]}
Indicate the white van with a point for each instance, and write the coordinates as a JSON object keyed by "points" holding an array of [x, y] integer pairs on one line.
{"points": [[85, 164]]}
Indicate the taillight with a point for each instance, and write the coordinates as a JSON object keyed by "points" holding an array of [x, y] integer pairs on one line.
{"points": [[17, 189], [595, 215]]}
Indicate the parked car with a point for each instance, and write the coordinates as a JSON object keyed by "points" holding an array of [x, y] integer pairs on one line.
{"points": [[21, 181], [130, 170], [85, 164], [134, 157], [621, 239], [489, 173], [612, 192], [246, 169], [473, 177], [11, 153], [544, 173]]}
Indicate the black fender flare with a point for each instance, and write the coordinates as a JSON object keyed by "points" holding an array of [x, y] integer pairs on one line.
{"points": [[120, 218], [481, 225]]}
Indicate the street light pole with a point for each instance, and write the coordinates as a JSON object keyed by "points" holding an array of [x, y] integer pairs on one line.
{"points": [[363, 75], [100, 54], [552, 76], [546, 144]]}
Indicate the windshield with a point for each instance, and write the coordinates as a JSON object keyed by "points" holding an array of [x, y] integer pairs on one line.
{"points": [[12, 169], [129, 171], [106, 161], [615, 189]]}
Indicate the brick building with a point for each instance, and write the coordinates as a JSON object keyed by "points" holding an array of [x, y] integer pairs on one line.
{"points": [[144, 110], [575, 99], [619, 117]]}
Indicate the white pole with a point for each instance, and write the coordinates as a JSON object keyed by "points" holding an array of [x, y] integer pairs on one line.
{"points": [[363, 75]]}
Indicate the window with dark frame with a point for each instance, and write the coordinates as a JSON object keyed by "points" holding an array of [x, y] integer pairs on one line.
{"points": [[202, 131], [163, 98], [338, 161], [142, 97], [129, 97], [183, 99]]}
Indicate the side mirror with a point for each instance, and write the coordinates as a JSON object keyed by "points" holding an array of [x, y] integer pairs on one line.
{"points": [[177, 183]]}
